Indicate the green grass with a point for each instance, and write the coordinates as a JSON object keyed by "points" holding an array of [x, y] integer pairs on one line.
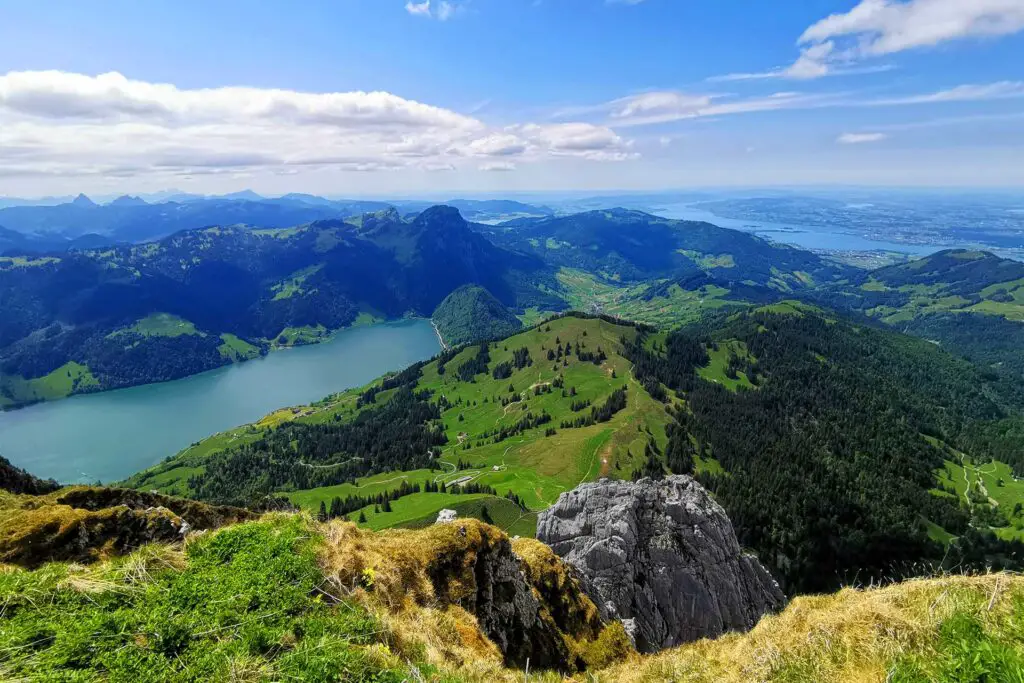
{"points": [[709, 261], [535, 466], [708, 466], [935, 298], [533, 316], [715, 370], [243, 602], [299, 336], [69, 378], [294, 284], [11, 262], [991, 483], [163, 325], [504, 514], [367, 318], [404, 511], [966, 649], [585, 291], [937, 533], [236, 349]]}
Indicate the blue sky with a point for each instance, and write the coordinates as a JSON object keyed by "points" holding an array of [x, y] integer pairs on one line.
{"points": [[364, 97]]}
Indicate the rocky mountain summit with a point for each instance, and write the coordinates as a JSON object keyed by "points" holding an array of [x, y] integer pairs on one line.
{"points": [[662, 556]]}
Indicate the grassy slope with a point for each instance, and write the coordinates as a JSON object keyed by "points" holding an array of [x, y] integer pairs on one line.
{"points": [[536, 467], [993, 481], [242, 604], [163, 325], [260, 601], [584, 291], [57, 384], [715, 370], [930, 630]]}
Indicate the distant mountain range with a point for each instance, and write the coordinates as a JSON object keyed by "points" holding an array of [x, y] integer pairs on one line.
{"points": [[127, 219]]}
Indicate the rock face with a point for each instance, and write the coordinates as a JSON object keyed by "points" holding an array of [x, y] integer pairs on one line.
{"points": [[519, 594], [84, 524], [661, 556]]}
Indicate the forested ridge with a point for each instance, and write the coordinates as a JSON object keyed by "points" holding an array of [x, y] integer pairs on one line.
{"points": [[827, 467], [253, 284], [398, 435], [472, 314]]}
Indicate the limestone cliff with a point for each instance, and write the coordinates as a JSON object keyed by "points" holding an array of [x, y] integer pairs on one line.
{"points": [[661, 556]]}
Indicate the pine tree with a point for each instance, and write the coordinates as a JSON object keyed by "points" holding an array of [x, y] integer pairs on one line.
{"points": [[322, 515], [362, 517]]}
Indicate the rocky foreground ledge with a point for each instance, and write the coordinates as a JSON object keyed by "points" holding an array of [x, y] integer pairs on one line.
{"points": [[661, 556]]}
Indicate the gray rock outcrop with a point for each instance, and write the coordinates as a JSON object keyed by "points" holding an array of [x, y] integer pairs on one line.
{"points": [[662, 556]]}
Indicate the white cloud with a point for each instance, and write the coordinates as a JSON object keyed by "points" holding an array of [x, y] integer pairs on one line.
{"points": [[498, 145], [667, 106], [860, 138], [421, 9], [836, 45], [498, 166], [962, 93], [882, 27], [65, 124], [444, 11], [578, 139], [111, 97]]}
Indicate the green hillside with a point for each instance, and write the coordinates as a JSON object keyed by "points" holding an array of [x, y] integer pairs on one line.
{"points": [[970, 301], [778, 410], [472, 314], [500, 429]]}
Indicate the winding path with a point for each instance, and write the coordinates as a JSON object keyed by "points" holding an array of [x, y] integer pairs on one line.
{"points": [[440, 339]]}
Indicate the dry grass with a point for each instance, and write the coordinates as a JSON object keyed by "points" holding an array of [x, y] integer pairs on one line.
{"points": [[853, 636], [391, 572], [129, 573], [422, 586]]}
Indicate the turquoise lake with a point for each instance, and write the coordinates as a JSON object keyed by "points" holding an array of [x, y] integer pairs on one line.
{"points": [[111, 435]]}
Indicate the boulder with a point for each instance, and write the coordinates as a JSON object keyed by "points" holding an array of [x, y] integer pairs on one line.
{"points": [[662, 557]]}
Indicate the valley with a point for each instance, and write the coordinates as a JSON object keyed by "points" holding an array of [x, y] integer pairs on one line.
{"points": [[690, 344]]}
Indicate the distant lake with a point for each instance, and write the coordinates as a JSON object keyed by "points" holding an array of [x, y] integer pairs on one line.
{"points": [[111, 435], [805, 236]]}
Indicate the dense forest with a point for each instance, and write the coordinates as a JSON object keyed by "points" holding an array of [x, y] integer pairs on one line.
{"points": [[16, 480], [398, 435], [829, 470], [472, 314]]}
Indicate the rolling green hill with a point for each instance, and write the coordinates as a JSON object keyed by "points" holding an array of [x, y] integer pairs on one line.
{"points": [[970, 301], [630, 246], [471, 314], [661, 271], [491, 429], [827, 441]]}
